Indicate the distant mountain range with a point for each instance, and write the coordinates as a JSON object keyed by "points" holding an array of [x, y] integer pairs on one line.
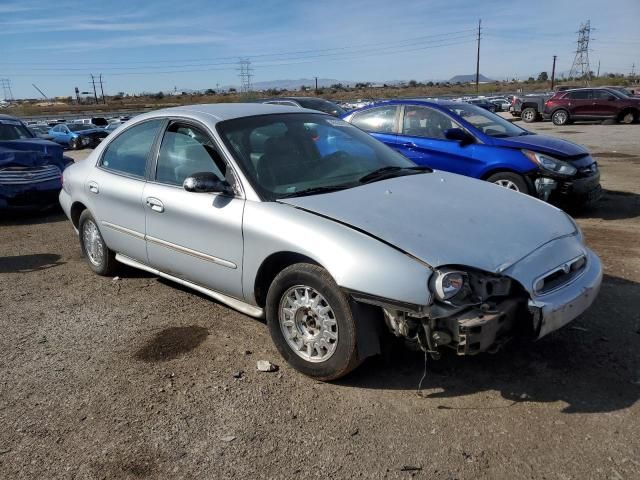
{"points": [[469, 78]]}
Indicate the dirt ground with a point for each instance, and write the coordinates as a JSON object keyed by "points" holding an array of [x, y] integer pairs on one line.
{"points": [[135, 377]]}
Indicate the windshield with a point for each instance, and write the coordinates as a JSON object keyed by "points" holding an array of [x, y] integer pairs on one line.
{"points": [[286, 154], [79, 127], [487, 122], [321, 105], [13, 130]]}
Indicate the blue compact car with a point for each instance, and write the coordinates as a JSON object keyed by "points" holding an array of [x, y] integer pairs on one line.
{"points": [[463, 138], [76, 135]]}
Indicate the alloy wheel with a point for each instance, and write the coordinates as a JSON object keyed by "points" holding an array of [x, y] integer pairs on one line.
{"points": [[308, 323], [93, 243], [507, 184]]}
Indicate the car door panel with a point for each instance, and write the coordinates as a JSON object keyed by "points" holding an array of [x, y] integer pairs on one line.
{"points": [[193, 236]]}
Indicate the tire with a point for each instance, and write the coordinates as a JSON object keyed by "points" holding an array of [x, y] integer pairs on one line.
{"points": [[74, 144], [100, 258], [560, 117], [529, 115], [297, 314], [510, 180], [628, 117]]}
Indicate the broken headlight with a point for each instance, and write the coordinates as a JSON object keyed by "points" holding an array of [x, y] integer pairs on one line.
{"points": [[550, 164], [448, 283]]}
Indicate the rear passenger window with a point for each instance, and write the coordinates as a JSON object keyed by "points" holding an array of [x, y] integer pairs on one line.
{"points": [[128, 153], [187, 150], [580, 95], [380, 119]]}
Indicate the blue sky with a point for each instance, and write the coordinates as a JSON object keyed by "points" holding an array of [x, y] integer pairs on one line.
{"points": [[151, 45]]}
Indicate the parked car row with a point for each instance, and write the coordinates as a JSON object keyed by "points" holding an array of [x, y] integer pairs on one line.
{"points": [[568, 105], [337, 238]]}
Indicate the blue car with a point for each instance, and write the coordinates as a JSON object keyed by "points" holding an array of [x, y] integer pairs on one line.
{"points": [[77, 135], [30, 168], [465, 139]]}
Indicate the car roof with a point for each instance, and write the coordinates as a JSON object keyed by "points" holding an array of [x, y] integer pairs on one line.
{"points": [[8, 117], [217, 112], [421, 101]]}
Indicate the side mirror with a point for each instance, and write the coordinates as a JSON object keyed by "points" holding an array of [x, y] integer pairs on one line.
{"points": [[206, 182], [459, 135]]}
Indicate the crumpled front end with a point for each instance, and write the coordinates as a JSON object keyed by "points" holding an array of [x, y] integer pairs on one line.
{"points": [[539, 294]]}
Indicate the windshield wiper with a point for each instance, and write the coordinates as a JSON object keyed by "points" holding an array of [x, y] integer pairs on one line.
{"points": [[392, 171], [314, 190]]}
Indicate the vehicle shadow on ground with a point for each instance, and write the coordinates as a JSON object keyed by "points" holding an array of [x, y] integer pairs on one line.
{"points": [[587, 365], [613, 205], [29, 263], [32, 218]]}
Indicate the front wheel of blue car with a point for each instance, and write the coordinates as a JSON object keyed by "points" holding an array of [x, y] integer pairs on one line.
{"points": [[311, 322], [510, 181]]}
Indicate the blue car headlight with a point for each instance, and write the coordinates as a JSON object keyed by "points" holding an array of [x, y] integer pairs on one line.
{"points": [[550, 164]]}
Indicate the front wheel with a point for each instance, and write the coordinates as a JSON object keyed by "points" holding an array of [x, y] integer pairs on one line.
{"points": [[560, 117], [311, 322], [74, 144], [627, 117], [509, 180]]}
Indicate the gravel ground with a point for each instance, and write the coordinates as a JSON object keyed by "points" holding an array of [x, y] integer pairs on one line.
{"points": [[134, 377]]}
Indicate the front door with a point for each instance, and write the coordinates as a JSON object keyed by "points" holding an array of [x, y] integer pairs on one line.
{"points": [[193, 236], [422, 139]]}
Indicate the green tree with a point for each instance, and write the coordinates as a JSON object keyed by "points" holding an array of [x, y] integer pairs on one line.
{"points": [[543, 77]]}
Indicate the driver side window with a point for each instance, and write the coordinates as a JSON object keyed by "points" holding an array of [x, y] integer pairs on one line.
{"points": [[426, 122]]}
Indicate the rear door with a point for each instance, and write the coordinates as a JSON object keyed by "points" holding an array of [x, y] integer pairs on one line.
{"points": [[194, 236], [381, 122], [580, 103], [422, 139], [115, 189]]}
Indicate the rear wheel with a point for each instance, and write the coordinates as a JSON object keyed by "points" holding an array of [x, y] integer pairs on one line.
{"points": [[311, 323], [509, 180], [100, 258], [560, 117], [74, 144], [628, 116], [529, 115]]}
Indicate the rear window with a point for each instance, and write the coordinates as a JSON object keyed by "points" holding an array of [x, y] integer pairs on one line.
{"points": [[13, 130]]}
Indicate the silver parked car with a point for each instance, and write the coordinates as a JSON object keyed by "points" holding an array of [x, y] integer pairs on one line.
{"points": [[305, 219]]}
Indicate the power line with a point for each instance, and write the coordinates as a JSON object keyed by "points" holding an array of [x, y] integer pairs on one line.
{"points": [[233, 59], [346, 56]]}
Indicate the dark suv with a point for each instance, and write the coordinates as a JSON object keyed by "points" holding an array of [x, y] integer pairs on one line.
{"points": [[591, 104]]}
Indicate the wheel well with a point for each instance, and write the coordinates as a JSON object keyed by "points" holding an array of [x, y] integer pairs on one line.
{"points": [[76, 210], [526, 178], [530, 105], [271, 266], [626, 110]]}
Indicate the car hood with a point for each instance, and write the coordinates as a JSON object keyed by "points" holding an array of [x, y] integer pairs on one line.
{"points": [[31, 152], [543, 144], [445, 219]]}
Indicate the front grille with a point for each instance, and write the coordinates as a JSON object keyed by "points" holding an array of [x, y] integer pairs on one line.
{"points": [[560, 275], [28, 175]]}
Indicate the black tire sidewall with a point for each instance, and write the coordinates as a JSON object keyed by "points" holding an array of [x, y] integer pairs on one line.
{"points": [[73, 144], [108, 259], [520, 182], [344, 359]]}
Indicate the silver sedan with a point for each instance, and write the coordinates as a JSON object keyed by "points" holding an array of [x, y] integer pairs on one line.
{"points": [[337, 239]]}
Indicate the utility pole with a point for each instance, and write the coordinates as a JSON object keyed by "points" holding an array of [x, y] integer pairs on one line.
{"points": [[598, 74], [6, 88], [478, 57], [553, 72], [95, 94], [244, 67], [102, 90], [316, 85], [632, 75]]}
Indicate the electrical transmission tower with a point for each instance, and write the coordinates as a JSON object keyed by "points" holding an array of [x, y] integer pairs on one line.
{"points": [[580, 68], [245, 74], [6, 88]]}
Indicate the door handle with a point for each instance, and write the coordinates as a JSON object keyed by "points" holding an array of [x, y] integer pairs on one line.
{"points": [[155, 204], [408, 145], [93, 187]]}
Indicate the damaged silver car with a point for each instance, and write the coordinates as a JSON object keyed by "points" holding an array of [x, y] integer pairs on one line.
{"points": [[337, 239]]}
